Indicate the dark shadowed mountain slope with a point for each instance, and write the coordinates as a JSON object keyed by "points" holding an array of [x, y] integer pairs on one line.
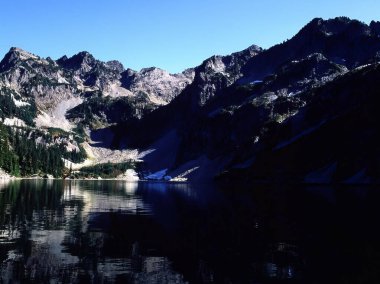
{"points": [[341, 40], [211, 78], [335, 138], [232, 121]]}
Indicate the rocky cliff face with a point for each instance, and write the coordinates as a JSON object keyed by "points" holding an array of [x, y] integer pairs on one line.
{"points": [[55, 87], [219, 72], [158, 84]]}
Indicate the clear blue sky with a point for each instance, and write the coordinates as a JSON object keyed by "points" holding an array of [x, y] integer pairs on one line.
{"points": [[170, 34]]}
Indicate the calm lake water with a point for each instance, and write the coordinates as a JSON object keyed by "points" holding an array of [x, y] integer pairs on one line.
{"points": [[120, 232]]}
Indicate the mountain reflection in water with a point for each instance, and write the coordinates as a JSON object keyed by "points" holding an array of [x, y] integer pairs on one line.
{"points": [[115, 231]]}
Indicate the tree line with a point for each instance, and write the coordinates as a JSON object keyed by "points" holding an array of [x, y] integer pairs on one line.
{"points": [[20, 155]]}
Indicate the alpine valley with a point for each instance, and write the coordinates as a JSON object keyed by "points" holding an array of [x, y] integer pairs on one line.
{"points": [[304, 110]]}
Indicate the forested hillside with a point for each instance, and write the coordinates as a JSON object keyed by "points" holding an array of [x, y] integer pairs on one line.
{"points": [[26, 152]]}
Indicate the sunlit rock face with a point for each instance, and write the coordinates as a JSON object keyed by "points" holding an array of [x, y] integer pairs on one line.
{"points": [[219, 72], [160, 85], [56, 86]]}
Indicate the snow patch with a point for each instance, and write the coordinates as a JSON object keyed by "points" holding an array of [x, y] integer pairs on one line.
{"points": [[142, 154], [201, 169], [178, 179], [256, 82], [298, 136], [157, 175], [323, 175], [14, 122], [183, 176], [129, 175], [359, 178], [77, 166], [362, 67], [19, 103], [291, 94]]}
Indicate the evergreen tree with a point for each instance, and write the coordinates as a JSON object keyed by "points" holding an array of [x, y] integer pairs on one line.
{"points": [[20, 155]]}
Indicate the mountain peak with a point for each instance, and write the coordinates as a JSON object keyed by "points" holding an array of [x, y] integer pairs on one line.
{"points": [[248, 52], [15, 55], [253, 48], [151, 70], [22, 54], [77, 61], [334, 26], [84, 54], [115, 65], [375, 28]]}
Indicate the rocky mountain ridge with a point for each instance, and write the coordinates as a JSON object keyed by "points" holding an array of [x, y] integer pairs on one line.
{"points": [[241, 116], [225, 127], [57, 86]]}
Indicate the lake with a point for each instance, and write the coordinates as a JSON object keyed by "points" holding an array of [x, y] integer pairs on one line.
{"points": [[120, 232]]}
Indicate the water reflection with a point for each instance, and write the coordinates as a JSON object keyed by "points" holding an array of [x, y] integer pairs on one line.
{"points": [[116, 231], [3, 183], [130, 187], [78, 231]]}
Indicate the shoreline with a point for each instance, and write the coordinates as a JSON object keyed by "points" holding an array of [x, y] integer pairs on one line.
{"points": [[91, 179]]}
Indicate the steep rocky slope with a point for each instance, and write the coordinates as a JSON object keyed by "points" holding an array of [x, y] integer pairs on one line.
{"points": [[55, 87], [211, 78], [341, 40], [220, 120], [72, 97], [158, 84], [334, 138]]}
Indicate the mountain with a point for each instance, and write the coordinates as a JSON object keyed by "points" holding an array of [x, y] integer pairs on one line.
{"points": [[341, 40], [57, 86], [221, 127], [301, 111], [60, 102], [161, 86], [211, 78], [334, 138]]}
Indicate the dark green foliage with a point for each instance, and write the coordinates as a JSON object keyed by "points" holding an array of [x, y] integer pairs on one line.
{"points": [[40, 80], [21, 155], [8, 159], [79, 130], [9, 109], [35, 158], [111, 110], [58, 132], [74, 156], [107, 170]]}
